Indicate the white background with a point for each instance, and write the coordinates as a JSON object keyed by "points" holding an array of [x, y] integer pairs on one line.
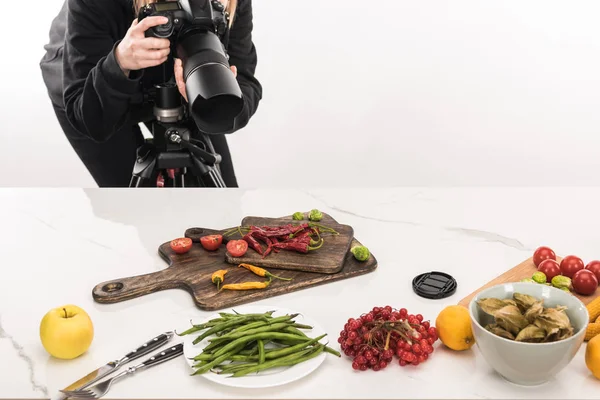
{"points": [[380, 93]]}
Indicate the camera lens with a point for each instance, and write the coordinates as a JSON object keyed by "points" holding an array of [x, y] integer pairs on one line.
{"points": [[213, 92]]}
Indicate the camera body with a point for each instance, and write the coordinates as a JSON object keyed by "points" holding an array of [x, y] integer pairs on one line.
{"points": [[196, 29], [208, 15]]}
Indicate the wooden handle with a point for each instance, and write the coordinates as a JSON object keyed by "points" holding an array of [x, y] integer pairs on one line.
{"points": [[128, 288]]}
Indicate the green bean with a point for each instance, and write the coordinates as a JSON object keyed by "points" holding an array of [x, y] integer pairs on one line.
{"points": [[201, 363], [216, 361], [302, 326], [224, 332], [249, 352], [231, 368], [199, 327], [237, 335], [286, 343], [188, 331], [264, 323], [236, 314], [256, 336], [294, 330], [292, 359], [224, 325], [261, 351], [332, 351], [271, 354]]}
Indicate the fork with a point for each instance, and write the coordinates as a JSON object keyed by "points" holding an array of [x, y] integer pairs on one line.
{"points": [[100, 389]]}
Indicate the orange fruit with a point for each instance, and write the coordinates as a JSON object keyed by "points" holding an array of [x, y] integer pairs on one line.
{"points": [[453, 324], [592, 356]]}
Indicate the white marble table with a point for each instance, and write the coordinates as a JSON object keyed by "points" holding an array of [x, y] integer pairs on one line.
{"points": [[59, 243]]}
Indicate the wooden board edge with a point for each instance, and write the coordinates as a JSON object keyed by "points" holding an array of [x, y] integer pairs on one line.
{"points": [[326, 270], [248, 300], [370, 266]]}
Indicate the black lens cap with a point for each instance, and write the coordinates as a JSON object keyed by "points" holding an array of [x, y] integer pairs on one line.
{"points": [[434, 285]]}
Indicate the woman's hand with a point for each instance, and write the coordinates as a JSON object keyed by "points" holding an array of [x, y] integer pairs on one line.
{"points": [[179, 77], [137, 51]]}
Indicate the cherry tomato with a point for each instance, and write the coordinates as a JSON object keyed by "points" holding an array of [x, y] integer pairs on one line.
{"points": [[237, 248], [181, 245], [211, 242], [594, 266], [550, 268], [570, 265], [543, 253], [585, 282]]}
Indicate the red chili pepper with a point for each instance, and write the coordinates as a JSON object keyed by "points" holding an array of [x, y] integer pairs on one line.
{"points": [[270, 231], [253, 243], [275, 240], [301, 246]]}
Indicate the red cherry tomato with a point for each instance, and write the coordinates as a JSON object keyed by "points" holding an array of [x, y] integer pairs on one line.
{"points": [[237, 248], [550, 268], [585, 282], [570, 265], [211, 242], [181, 245], [543, 253], [594, 266]]}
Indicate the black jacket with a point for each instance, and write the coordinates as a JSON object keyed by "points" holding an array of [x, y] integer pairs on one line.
{"points": [[83, 77]]}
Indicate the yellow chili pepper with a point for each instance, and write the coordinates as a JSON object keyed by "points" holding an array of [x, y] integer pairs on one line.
{"points": [[262, 272], [218, 277], [246, 285]]}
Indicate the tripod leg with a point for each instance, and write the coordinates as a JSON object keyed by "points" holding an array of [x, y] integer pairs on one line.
{"points": [[144, 164], [135, 182], [204, 170]]}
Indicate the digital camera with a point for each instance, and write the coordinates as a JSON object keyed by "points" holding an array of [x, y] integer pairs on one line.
{"points": [[196, 29]]}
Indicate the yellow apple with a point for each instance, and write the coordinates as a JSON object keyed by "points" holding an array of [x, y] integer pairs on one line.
{"points": [[66, 332]]}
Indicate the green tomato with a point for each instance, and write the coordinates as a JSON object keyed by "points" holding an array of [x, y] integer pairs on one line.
{"points": [[298, 216], [361, 253], [315, 215]]}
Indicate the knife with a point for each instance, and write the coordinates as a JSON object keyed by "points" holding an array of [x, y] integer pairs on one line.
{"points": [[111, 366]]}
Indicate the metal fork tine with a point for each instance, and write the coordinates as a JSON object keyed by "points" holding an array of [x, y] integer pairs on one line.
{"points": [[80, 394]]}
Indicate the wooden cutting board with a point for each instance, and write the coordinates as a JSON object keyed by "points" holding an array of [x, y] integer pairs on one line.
{"points": [[329, 259], [516, 274], [192, 272]]}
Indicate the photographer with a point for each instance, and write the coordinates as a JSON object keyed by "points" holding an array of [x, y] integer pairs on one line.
{"points": [[97, 66]]}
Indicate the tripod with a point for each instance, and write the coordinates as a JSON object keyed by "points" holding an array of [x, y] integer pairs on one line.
{"points": [[177, 146]]}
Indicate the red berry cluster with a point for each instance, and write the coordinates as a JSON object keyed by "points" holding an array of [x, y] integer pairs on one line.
{"points": [[377, 336]]}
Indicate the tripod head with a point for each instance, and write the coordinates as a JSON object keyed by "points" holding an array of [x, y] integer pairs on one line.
{"points": [[176, 145]]}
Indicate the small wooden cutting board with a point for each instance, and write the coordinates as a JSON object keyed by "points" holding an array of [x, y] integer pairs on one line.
{"points": [[329, 259], [192, 272], [524, 270]]}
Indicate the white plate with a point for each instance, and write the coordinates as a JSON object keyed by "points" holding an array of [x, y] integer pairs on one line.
{"points": [[267, 378]]}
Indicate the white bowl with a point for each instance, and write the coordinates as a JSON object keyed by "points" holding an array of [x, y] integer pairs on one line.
{"points": [[528, 363]]}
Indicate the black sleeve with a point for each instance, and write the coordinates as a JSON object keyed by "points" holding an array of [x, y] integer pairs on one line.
{"points": [[242, 54], [96, 91]]}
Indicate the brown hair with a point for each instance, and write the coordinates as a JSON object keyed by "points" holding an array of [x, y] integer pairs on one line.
{"points": [[231, 7]]}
